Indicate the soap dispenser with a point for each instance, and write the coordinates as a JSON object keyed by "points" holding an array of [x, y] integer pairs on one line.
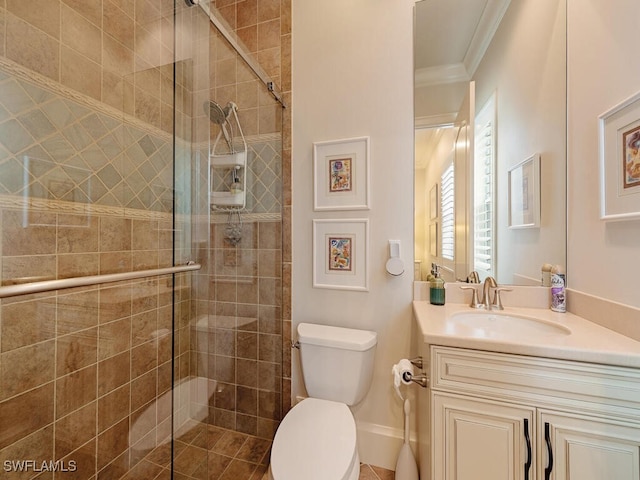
{"points": [[436, 287]]}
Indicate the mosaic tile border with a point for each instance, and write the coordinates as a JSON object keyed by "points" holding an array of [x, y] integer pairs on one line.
{"points": [[62, 207], [217, 218], [57, 206]]}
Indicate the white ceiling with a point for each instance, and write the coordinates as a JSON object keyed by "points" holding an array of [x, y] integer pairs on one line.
{"points": [[444, 30], [451, 37]]}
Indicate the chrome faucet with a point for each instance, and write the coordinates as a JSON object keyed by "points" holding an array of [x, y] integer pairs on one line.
{"points": [[489, 283], [473, 277], [486, 303]]}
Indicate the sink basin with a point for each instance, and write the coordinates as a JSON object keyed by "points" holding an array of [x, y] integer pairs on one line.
{"points": [[497, 324]]}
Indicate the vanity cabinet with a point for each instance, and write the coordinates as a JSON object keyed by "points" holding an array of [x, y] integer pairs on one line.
{"points": [[477, 439], [589, 448], [509, 417]]}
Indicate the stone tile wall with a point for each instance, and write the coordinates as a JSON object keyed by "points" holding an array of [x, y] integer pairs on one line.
{"points": [[245, 322], [109, 50], [105, 348], [80, 371], [86, 187], [248, 295]]}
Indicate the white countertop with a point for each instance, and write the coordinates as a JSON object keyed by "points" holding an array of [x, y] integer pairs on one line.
{"points": [[587, 342]]}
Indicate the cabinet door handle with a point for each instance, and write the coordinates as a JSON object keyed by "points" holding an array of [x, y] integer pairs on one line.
{"points": [[547, 439], [527, 465]]}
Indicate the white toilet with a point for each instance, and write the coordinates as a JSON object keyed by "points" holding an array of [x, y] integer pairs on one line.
{"points": [[316, 440]]}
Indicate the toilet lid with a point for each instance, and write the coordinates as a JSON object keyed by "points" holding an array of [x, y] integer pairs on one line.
{"points": [[315, 441]]}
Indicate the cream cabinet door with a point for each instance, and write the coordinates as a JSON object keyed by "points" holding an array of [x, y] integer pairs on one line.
{"points": [[475, 439], [585, 448]]}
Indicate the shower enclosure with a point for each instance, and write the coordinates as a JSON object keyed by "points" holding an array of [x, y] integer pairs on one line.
{"points": [[141, 328]]}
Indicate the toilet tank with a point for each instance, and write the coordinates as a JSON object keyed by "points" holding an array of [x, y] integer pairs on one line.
{"points": [[337, 363]]}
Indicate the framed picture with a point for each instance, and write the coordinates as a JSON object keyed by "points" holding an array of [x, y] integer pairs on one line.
{"points": [[341, 174], [433, 202], [340, 254], [620, 161], [524, 193], [433, 239]]}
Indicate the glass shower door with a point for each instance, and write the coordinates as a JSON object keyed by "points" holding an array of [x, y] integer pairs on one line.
{"points": [[236, 327], [87, 191]]}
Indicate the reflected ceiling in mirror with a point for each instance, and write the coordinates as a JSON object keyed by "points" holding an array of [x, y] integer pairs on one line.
{"points": [[512, 53]]}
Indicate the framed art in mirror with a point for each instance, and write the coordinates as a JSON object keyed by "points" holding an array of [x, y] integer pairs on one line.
{"points": [[619, 139], [341, 174], [433, 239], [524, 193], [433, 202]]}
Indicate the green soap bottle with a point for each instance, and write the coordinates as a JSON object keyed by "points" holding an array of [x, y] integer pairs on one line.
{"points": [[436, 288]]}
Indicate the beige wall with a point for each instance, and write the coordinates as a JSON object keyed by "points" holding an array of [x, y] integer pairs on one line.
{"points": [[352, 76], [603, 257]]}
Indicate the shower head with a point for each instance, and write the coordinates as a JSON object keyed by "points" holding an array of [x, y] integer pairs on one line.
{"points": [[218, 114]]}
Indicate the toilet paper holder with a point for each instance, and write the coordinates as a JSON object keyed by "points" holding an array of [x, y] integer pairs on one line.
{"points": [[417, 362], [421, 379]]}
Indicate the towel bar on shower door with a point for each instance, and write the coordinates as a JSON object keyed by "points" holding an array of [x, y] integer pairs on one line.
{"points": [[50, 285]]}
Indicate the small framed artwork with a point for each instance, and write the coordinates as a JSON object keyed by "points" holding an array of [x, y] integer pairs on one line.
{"points": [[340, 254], [433, 239], [619, 138], [524, 193], [341, 174], [433, 202]]}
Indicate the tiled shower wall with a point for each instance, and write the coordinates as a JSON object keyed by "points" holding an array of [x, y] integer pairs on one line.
{"points": [[86, 172], [109, 344], [246, 329], [80, 369], [55, 148], [104, 49], [248, 299]]}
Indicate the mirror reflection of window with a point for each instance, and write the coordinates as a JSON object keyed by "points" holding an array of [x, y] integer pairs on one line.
{"points": [[484, 236], [447, 207]]}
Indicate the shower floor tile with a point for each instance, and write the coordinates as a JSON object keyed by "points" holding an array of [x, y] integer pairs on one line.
{"points": [[206, 452]]}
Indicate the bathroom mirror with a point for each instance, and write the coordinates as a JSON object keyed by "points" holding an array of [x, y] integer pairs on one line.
{"points": [[490, 133]]}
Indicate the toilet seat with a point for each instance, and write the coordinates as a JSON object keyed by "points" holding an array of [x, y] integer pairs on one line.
{"points": [[316, 440]]}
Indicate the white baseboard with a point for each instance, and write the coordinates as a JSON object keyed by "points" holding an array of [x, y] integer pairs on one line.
{"points": [[380, 445]]}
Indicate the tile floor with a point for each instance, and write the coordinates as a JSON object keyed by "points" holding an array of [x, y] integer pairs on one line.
{"points": [[206, 452]]}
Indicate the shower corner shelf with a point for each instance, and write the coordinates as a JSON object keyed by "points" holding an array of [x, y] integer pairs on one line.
{"points": [[229, 160], [228, 200]]}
